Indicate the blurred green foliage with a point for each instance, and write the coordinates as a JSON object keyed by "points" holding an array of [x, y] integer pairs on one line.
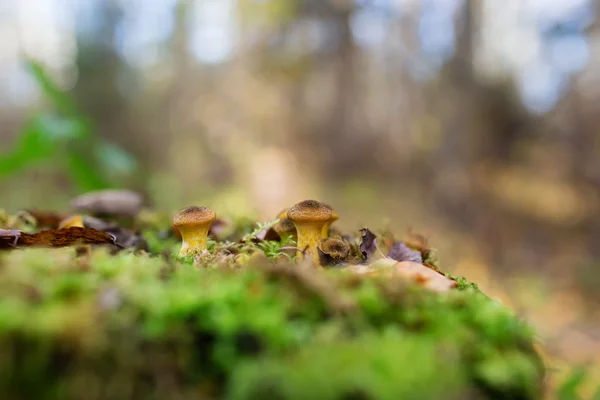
{"points": [[63, 136]]}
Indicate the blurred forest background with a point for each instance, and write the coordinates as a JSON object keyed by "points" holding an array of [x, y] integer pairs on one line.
{"points": [[477, 122]]}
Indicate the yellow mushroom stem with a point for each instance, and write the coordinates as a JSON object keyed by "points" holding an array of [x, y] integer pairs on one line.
{"points": [[309, 235], [334, 217], [325, 232], [194, 239]]}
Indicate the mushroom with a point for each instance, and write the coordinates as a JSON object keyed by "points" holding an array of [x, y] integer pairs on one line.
{"points": [[334, 217], [309, 218], [333, 251], [193, 223], [285, 227], [109, 202], [72, 221]]}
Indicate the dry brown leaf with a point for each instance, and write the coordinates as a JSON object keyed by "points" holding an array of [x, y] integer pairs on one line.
{"points": [[9, 238], [401, 252], [55, 238], [416, 241], [368, 243]]}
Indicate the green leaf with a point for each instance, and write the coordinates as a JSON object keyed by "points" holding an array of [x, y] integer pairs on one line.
{"points": [[82, 172], [33, 144]]}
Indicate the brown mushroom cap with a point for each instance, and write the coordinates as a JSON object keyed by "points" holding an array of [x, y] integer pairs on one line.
{"points": [[334, 247], [284, 225], [309, 211], [194, 216]]}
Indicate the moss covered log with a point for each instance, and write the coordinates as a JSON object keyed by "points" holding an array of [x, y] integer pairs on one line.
{"points": [[130, 326]]}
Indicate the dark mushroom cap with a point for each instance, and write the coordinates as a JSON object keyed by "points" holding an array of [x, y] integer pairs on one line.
{"points": [[194, 216], [334, 247], [309, 211], [284, 225]]}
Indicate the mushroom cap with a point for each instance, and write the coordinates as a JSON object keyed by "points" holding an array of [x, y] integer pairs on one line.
{"points": [[110, 201], [194, 216], [334, 247], [309, 211], [284, 225]]}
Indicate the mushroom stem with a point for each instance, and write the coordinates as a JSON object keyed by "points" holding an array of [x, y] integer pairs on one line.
{"points": [[194, 240], [193, 223], [309, 217], [309, 234], [325, 232]]}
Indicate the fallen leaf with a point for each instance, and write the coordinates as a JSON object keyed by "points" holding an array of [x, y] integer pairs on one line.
{"points": [[109, 202], [9, 238], [401, 252], [58, 238], [124, 237], [387, 239], [368, 243], [416, 241]]}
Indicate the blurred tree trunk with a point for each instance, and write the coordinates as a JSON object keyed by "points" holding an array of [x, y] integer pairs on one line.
{"points": [[341, 136], [100, 67], [106, 86]]}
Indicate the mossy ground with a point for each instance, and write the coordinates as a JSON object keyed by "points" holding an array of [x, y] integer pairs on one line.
{"points": [[135, 326]]}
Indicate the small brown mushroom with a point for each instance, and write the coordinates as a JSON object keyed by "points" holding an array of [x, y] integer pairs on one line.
{"points": [[193, 223], [309, 218], [334, 217], [333, 251], [285, 227]]}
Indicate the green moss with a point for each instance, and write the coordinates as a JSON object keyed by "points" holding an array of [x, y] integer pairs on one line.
{"points": [[132, 326], [389, 365], [463, 283]]}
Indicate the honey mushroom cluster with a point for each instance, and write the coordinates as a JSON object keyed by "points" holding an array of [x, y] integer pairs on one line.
{"points": [[308, 222]]}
